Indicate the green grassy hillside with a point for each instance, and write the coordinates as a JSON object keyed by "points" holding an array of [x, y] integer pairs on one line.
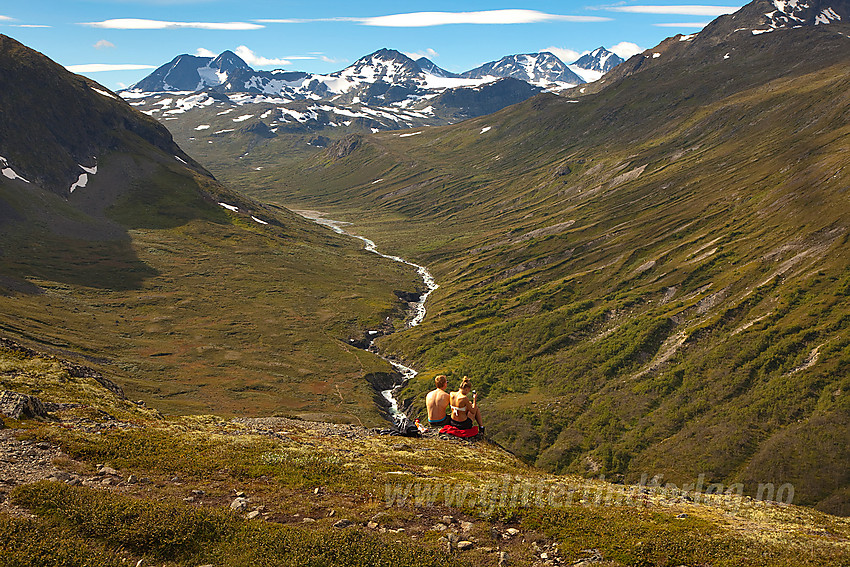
{"points": [[100, 481], [650, 279]]}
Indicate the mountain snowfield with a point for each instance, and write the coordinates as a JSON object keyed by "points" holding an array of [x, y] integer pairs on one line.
{"points": [[385, 90]]}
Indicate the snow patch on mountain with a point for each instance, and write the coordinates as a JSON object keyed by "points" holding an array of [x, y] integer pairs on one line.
{"points": [[7, 171]]}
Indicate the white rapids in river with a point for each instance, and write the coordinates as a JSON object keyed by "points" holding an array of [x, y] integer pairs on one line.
{"points": [[418, 308]]}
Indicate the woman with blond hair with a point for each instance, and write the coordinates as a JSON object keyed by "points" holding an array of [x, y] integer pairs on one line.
{"points": [[464, 410]]}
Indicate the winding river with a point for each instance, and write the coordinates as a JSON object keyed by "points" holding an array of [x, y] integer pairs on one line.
{"points": [[419, 310]]}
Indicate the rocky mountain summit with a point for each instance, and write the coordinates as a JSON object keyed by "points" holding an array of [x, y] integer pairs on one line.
{"points": [[541, 69], [600, 60], [732, 31]]}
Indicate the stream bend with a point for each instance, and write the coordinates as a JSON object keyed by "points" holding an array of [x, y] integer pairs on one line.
{"points": [[419, 310]]}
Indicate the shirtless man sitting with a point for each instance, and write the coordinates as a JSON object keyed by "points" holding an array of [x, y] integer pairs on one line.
{"points": [[437, 403]]}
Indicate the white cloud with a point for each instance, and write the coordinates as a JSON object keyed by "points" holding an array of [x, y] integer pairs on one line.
{"points": [[426, 19], [202, 52], [99, 67], [568, 56], [626, 49], [682, 10], [103, 44], [255, 60], [683, 25], [290, 21], [5, 19], [430, 53], [140, 24], [31, 26]]}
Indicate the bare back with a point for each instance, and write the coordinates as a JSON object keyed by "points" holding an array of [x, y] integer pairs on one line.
{"points": [[460, 406], [437, 402]]}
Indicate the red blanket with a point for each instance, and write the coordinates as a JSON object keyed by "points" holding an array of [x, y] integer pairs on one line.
{"points": [[452, 430]]}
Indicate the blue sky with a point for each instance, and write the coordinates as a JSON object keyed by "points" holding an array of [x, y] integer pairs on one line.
{"points": [[118, 42]]}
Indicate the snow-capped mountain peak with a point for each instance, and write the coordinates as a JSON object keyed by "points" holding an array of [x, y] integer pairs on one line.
{"points": [[763, 16], [191, 73], [792, 13], [228, 61], [542, 69], [600, 59], [387, 65]]}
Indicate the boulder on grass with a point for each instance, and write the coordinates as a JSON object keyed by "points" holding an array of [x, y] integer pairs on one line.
{"points": [[16, 406]]}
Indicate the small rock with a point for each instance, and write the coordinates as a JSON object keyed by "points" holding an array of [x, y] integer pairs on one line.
{"points": [[447, 519], [254, 514], [512, 532], [195, 492], [317, 491], [109, 471], [544, 556], [308, 521], [342, 523], [681, 516], [464, 545], [504, 559], [74, 482], [372, 525], [332, 513], [239, 505], [240, 495], [466, 527], [440, 527], [60, 476], [189, 499], [260, 508]]}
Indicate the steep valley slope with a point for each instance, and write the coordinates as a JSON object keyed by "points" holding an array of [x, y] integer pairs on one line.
{"points": [[652, 278], [118, 248]]}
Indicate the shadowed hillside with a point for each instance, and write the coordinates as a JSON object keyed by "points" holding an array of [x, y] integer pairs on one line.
{"points": [[117, 248]]}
